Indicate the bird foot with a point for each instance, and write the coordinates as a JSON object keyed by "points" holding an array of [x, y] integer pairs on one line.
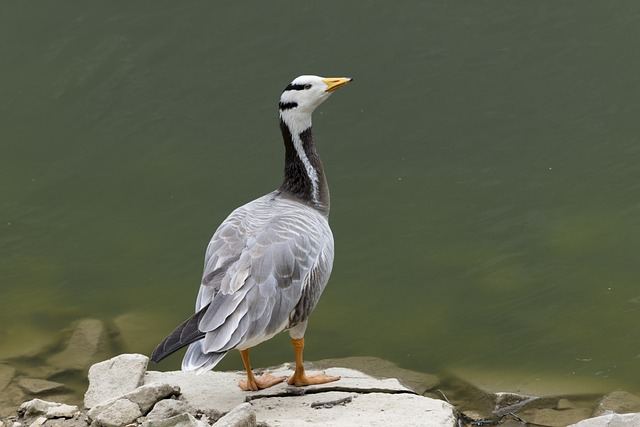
{"points": [[302, 379], [262, 382]]}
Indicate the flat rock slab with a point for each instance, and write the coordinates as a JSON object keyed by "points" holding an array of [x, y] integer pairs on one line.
{"points": [[356, 399], [216, 393], [6, 375], [88, 343], [528, 384], [38, 386], [419, 382], [611, 420], [371, 409]]}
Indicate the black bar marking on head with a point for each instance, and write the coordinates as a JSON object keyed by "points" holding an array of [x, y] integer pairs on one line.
{"points": [[287, 105], [293, 86]]}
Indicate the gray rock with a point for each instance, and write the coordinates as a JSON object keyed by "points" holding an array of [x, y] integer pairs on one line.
{"points": [[144, 397], [216, 393], [48, 409], [511, 402], [419, 382], [115, 377], [119, 413], [371, 409], [620, 402], [38, 386], [147, 395], [89, 343], [168, 408], [182, 420], [38, 422], [241, 416], [611, 420], [6, 375]]}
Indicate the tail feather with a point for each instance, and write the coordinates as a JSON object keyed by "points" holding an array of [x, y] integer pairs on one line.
{"points": [[182, 336], [197, 360]]}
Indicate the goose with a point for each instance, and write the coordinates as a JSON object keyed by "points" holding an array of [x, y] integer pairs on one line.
{"points": [[270, 259]]}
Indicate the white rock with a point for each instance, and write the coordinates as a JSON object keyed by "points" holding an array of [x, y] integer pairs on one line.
{"points": [[88, 342], [371, 409], [48, 409], [241, 416], [611, 420], [119, 413], [216, 393], [168, 408], [182, 420], [419, 382], [147, 395], [144, 397], [38, 422], [115, 377]]}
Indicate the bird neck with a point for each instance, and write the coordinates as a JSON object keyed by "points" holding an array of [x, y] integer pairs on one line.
{"points": [[304, 176]]}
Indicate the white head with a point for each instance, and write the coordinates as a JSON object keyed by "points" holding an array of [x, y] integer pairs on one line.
{"points": [[303, 95]]}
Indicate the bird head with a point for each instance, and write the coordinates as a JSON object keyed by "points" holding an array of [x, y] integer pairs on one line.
{"points": [[305, 93]]}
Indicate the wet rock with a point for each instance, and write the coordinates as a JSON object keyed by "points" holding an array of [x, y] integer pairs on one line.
{"points": [[182, 420], [6, 375], [10, 399], [48, 409], [611, 420], [88, 343], [620, 402], [552, 417], [133, 330], [44, 371], [241, 416], [527, 384], [168, 408], [38, 386], [115, 377], [120, 413], [511, 402], [25, 340]]}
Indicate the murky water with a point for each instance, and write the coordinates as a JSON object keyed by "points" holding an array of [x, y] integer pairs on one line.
{"points": [[484, 170]]}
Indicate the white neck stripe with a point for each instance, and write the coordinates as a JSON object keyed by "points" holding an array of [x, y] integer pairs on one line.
{"points": [[311, 171]]}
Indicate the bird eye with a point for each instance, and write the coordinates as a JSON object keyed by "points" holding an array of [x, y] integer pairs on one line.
{"points": [[307, 86]]}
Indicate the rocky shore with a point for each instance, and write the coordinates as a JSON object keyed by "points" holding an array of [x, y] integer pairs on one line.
{"points": [[50, 389]]}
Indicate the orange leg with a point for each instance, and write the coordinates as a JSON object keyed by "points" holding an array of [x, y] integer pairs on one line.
{"points": [[252, 383], [299, 378]]}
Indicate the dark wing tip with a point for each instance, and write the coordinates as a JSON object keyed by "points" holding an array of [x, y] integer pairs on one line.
{"points": [[185, 334]]}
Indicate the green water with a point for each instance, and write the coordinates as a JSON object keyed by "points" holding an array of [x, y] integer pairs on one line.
{"points": [[484, 170]]}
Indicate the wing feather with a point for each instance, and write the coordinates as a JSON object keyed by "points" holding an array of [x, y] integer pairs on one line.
{"points": [[265, 269]]}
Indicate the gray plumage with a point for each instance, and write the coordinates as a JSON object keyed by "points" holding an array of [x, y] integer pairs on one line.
{"points": [[269, 261], [265, 269]]}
